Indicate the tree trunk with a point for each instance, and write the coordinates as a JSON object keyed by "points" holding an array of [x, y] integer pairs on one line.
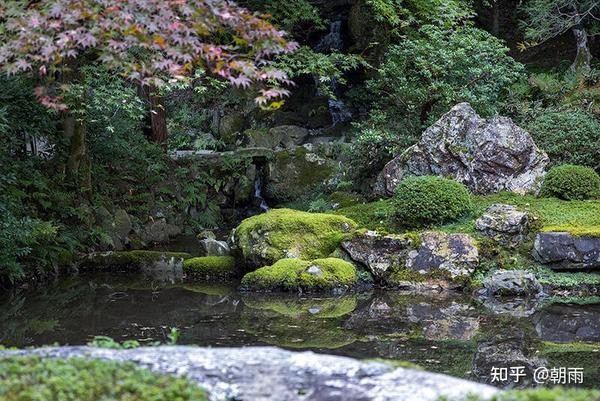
{"points": [[581, 64], [78, 167], [496, 18], [158, 115]]}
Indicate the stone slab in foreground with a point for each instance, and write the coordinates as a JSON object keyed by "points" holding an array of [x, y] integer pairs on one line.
{"points": [[268, 373]]}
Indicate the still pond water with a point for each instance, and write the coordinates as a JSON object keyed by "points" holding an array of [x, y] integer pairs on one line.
{"points": [[446, 333]]}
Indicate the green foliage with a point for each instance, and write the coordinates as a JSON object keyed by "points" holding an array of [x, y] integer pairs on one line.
{"points": [[571, 182], [569, 137], [290, 15], [546, 394], [325, 68], [401, 13], [210, 267], [428, 73], [310, 235], [292, 275], [34, 378], [110, 343], [428, 200]]}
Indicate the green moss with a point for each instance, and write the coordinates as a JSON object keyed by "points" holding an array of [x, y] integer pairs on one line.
{"points": [[578, 231], [281, 232], [323, 308], [565, 280], [344, 199], [571, 182], [292, 275], [210, 267], [373, 215], [33, 378], [129, 259], [396, 363]]}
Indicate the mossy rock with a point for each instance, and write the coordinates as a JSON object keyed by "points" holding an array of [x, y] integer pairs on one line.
{"points": [[130, 260], [301, 275], [284, 233], [210, 268], [576, 231], [294, 174]]}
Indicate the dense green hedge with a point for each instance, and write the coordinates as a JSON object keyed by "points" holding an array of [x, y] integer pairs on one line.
{"points": [[421, 201], [568, 137], [35, 379], [571, 182]]}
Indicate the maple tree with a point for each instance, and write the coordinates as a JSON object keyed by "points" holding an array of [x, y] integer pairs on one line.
{"points": [[149, 42]]}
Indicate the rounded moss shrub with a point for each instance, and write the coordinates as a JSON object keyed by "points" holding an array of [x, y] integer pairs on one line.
{"points": [[571, 137], [33, 378], [571, 182], [427, 200], [210, 267], [302, 275]]}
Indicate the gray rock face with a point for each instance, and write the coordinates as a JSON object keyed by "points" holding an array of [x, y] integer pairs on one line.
{"points": [[486, 155], [159, 231], [280, 137], [267, 373], [504, 223], [378, 253], [455, 253], [563, 251], [213, 247], [512, 283]]}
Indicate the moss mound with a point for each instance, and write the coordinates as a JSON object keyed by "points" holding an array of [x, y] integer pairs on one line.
{"points": [[301, 275], [129, 259], [286, 233], [210, 267], [571, 182], [428, 200], [33, 378]]}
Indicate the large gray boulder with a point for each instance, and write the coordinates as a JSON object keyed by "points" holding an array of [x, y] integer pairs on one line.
{"points": [[486, 155], [504, 223], [565, 251], [267, 373]]}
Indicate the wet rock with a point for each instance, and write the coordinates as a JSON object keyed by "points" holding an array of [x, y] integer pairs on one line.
{"points": [[486, 155], [504, 223], [206, 234], [157, 231], [568, 323], [378, 253], [564, 251], [455, 254], [213, 247], [267, 373], [511, 283]]}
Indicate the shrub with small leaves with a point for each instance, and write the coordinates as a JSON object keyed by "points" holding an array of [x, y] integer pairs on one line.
{"points": [[571, 182], [428, 200]]}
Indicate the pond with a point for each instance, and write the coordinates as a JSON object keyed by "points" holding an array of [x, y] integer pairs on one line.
{"points": [[442, 332]]}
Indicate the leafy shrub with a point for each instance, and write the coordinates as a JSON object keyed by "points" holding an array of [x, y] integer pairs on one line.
{"points": [[571, 182], [421, 201], [425, 75], [34, 378], [571, 137]]}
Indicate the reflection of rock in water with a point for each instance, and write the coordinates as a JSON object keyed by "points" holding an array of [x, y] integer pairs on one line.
{"points": [[512, 348], [455, 322], [568, 323], [516, 307]]}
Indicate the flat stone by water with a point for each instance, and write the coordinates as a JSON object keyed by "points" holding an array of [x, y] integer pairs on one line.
{"points": [[269, 373]]}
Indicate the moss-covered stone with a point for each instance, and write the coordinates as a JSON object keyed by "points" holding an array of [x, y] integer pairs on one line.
{"points": [[293, 175], [210, 267], [130, 260], [301, 275], [577, 231], [284, 233]]}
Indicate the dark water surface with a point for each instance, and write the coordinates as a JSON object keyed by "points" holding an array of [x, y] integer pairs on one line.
{"points": [[446, 333]]}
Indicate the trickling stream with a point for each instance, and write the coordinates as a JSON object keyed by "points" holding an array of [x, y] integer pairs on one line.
{"points": [[446, 333], [258, 189], [333, 41]]}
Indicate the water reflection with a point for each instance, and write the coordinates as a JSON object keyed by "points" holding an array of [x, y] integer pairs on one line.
{"points": [[443, 332]]}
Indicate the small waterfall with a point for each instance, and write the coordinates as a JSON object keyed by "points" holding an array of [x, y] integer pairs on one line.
{"points": [[333, 41], [258, 187]]}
